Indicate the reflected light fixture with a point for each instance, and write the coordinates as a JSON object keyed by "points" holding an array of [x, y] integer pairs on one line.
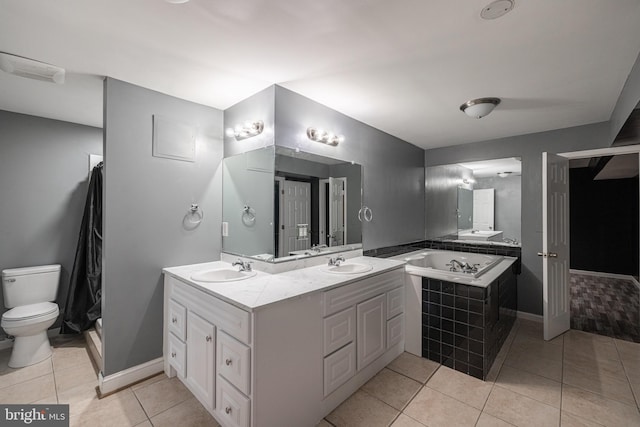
{"points": [[480, 107], [325, 137], [504, 174], [248, 130], [29, 68]]}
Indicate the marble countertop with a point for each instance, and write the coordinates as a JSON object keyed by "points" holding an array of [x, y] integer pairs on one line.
{"points": [[265, 289]]}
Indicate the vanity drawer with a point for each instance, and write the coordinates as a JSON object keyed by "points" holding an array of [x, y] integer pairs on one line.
{"points": [[339, 368], [395, 302], [339, 329], [234, 362], [177, 319], [225, 316], [233, 407], [395, 330], [177, 355], [346, 296]]}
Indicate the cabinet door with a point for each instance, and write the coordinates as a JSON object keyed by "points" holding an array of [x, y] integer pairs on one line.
{"points": [[201, 337], [372, 329]]}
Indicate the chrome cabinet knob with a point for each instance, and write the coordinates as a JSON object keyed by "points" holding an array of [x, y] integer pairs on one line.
{"points": [[174, 320], [173, 354], [227, 409], [228, 362], [208, 338]]}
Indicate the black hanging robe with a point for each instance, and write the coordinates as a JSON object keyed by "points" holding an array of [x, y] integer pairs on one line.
{"points": [[83, 305]]}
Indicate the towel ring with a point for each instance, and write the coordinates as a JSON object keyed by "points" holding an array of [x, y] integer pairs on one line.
{"points": [[248, 216], [195, 215], [365, 213]]}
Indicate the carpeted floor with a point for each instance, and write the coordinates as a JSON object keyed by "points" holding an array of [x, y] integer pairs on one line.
{"points": [[605, 306]]}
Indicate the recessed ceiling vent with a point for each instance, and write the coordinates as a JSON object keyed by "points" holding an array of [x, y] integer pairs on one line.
{"points": [[25, 67], [496, 9]]}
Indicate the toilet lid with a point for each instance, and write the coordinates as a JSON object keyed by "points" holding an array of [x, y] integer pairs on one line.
{"points": [[29, 311]]}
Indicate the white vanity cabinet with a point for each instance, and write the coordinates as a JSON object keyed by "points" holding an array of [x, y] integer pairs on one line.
{"points": [[197, 326], [290, 362], [370, 322]]}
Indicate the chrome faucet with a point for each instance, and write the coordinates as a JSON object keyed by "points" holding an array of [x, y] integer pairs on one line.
{"points": [[316, 248], [244, 266], [336, 261], [464, 267]]}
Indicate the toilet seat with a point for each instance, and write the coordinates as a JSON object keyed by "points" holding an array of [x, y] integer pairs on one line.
{"points": [[26, 314]]}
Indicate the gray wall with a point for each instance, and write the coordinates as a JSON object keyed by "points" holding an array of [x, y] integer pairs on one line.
{"points": [[248, 179], [393, 170], [145, 201], [44, 166], [529, 148], [507, 203], [441, 188]]}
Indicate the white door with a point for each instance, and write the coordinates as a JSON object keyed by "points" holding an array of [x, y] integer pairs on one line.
{"points": [[201, 358], [555, 245], [483, 209], [297, 212], [337, 211]]}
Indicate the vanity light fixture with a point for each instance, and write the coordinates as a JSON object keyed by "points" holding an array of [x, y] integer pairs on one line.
{"points": [[480, 107], [325, 137], [248, 130], [467, 181], [504, 174]]}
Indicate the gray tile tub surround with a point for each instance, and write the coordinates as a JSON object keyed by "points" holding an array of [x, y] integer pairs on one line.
{"points": [[464, 326]]}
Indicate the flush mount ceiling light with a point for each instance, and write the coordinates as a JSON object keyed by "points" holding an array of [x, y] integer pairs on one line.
{"points": [[29, 68], [248, 130], [504, 174], [176, 1], [325, 137], [478, 108], [496, 9]]}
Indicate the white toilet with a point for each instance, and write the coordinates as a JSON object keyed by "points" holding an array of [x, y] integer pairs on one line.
{"points": [[28, 292]]}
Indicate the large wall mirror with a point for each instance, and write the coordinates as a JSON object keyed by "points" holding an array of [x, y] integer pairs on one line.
{"points": [[476, 201], [280, 204]]}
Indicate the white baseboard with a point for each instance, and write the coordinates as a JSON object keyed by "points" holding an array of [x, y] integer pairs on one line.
{"points": [[607, 275], [530, 316], [122, 379], [8, 342]]}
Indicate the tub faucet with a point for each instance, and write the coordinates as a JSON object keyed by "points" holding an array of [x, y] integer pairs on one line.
{"points": [[453, 264], [464, 267], [244, 266], [336, 261]]}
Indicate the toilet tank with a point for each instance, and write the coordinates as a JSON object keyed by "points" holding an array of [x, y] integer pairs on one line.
{"points": [[30, 285]]}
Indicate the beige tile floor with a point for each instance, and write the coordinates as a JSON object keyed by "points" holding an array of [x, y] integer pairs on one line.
{"points": [[577, 379]]}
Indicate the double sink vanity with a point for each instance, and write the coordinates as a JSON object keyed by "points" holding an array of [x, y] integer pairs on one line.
{"points": [[286, 343]]}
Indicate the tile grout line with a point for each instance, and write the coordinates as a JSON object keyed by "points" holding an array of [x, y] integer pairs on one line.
{"points": [[141, 406], [626, 374], [562, 377], [515, 333]]}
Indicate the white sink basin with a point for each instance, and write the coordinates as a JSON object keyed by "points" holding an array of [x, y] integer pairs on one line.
{"points": [[353, 268], [222, 275]]}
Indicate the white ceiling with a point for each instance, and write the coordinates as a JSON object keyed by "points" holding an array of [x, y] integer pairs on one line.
{"points": [[403, 66], [491, 168]]}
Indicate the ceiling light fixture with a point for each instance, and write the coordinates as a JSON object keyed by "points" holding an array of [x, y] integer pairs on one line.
{"points": [[325, 137], [480, 107], [504, 174], [248, 130], [496, 9], [176, 1], [29, 68]]}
